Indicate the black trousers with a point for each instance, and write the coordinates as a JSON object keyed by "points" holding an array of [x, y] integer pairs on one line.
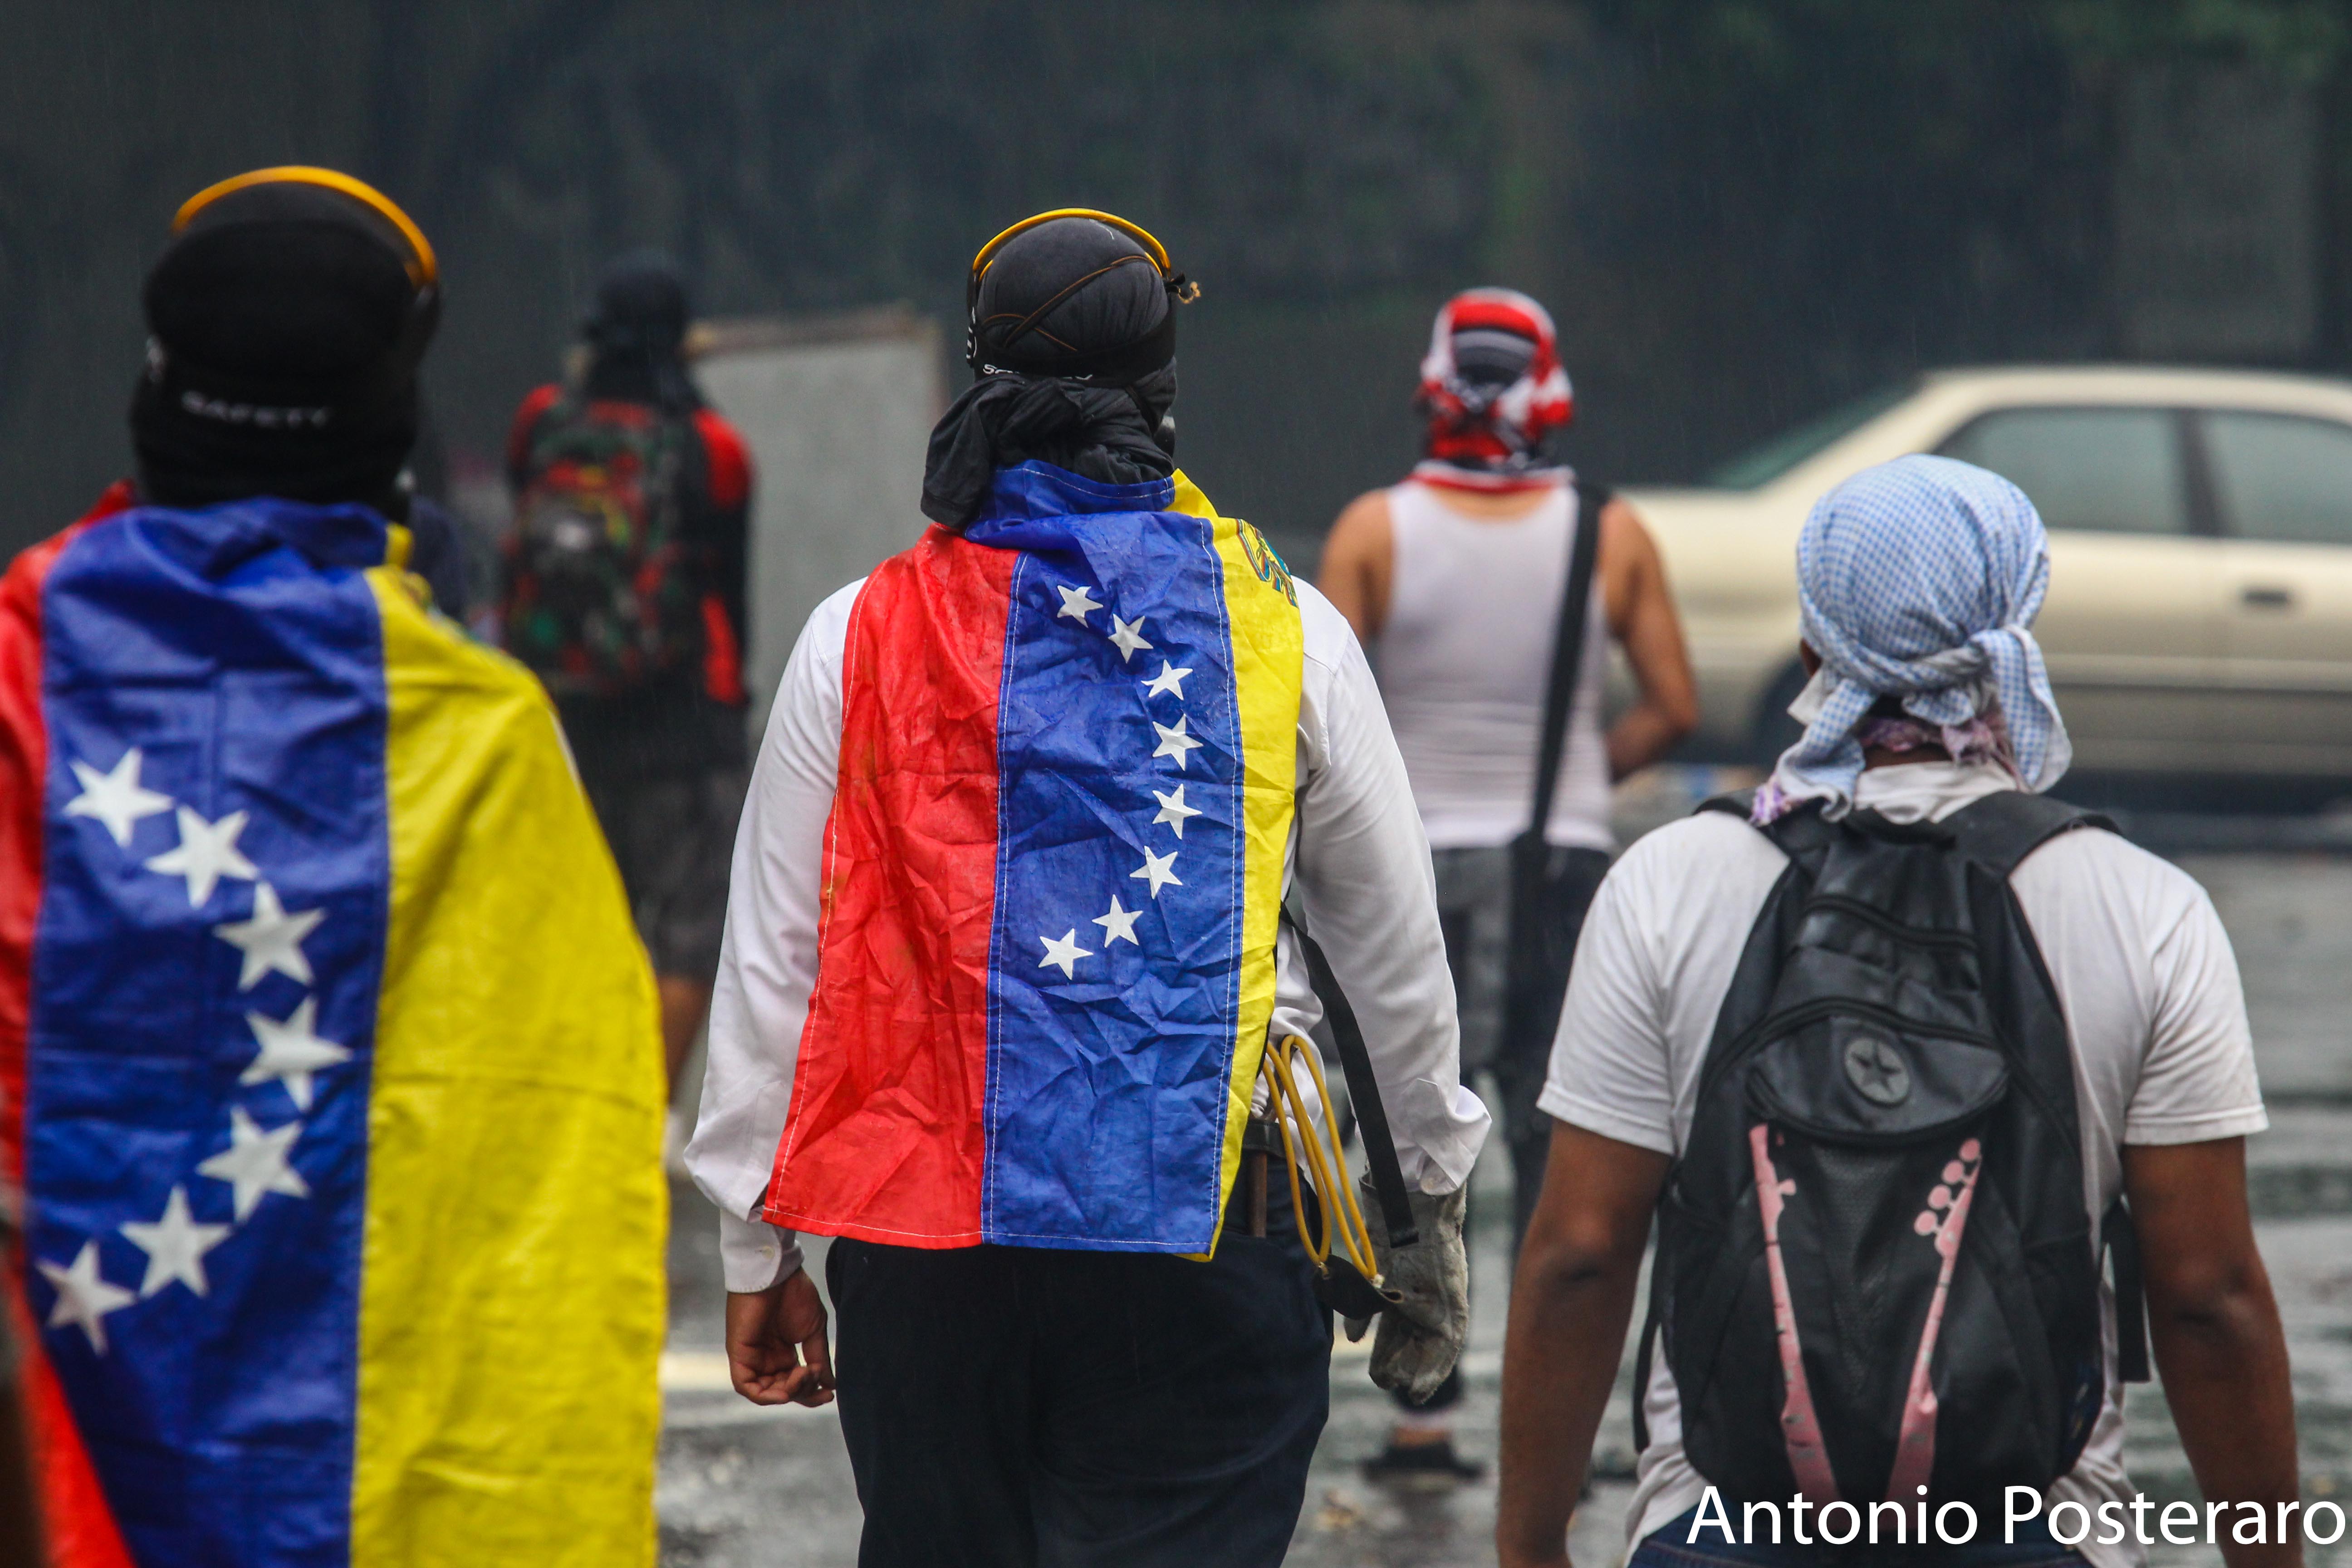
{"points": [[1006, 1406], [1475, 912], [1522, 1059]]}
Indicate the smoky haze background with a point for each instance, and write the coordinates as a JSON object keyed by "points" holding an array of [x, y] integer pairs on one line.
{"points": [[1740, 212]]}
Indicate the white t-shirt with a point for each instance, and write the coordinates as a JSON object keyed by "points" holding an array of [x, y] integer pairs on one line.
{"points": [[2144, 973]]}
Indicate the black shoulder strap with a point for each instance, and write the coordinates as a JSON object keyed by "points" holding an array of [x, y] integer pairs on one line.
{"points": [[1802, 834], [2119, 1240], [1739, 803], [1650, 1321], [2001, 830], [1567, 650], [1996, 831], [1363, 1090]]}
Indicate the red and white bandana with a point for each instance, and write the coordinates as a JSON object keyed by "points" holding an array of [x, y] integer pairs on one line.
{"points": [[1483, 435]]}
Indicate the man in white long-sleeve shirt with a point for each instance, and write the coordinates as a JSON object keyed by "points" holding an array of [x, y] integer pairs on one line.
{"points": [[1002, 957]]}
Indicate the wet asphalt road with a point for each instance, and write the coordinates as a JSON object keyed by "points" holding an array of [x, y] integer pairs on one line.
{"points": [[741, 1486]]}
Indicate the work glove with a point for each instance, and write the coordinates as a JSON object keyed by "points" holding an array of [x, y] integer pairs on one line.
{"points": [[1421, 1337]]}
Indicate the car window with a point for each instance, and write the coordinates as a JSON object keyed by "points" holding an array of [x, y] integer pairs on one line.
{"points": [[1763, 463], [2280, 477], [2106, 471]]}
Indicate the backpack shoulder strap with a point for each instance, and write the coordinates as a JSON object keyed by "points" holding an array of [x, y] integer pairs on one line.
{"points": [[1997, 832], [564, 408], [2001, 830], [1652, 1317], [556, 423], [1803, 834], [1739, 803]]}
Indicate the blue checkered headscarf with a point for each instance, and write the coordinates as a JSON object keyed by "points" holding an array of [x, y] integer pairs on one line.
{"points": [[1918, 579]]}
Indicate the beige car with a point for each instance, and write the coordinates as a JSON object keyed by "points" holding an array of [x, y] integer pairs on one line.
{"points": [[2199, 616]]}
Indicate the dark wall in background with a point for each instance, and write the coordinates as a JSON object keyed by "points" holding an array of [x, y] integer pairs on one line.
{"points": [[1734, 227]]}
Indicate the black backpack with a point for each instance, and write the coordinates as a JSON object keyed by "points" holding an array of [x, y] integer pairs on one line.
{"points": [[1874, 1270]]}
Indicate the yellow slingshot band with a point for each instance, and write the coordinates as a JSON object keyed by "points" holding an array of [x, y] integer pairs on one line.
{"points": [[1327, 1163]]}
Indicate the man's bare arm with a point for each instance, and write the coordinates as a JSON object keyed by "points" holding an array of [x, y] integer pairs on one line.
{"points": [[1359, 562], [2214, 1327], [1570, 1305], [1642, 618]]}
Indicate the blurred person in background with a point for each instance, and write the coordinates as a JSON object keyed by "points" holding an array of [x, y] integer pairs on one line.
{"points": [[1048, 776], [1457, 582], [329, 1060], [624, 589]]}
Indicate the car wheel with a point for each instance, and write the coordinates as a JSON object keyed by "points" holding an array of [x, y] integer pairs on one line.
{"points": [[1773, 731]]}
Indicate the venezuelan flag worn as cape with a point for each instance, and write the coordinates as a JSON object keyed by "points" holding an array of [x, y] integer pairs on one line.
{"points": [[1052, 878], [328, 1063]]}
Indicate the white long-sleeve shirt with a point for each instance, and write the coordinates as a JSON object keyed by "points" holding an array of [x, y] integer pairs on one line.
{"points": [[1358, 867]]}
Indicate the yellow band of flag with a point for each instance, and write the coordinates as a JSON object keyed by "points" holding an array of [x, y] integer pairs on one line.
{"points": [[1268, 662], [512, 1283]]}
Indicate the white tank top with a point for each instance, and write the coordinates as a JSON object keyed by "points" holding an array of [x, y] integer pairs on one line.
{"points": [[1463, 661]]}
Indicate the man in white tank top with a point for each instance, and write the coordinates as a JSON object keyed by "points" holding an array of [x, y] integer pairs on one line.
{"points": [[1453, 581]]}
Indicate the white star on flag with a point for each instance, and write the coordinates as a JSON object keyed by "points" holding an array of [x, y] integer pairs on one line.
{"points": [[1119, 924], [175, 1247], [1125, 635], [116, 798], [1159, 870], [272, 940], [291, 1051], [1077, 603], [1168, 680], [1172, 810], [1175, 742], [1064, 953], [208, 852], [254, 1163], [83, 1298]]}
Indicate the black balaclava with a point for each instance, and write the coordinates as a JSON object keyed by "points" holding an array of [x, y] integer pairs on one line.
{"points": [[1074, 348], [286, 322], [635, 334]]}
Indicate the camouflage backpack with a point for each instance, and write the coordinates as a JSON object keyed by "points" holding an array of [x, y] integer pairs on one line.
{"points": [[600, 599]]}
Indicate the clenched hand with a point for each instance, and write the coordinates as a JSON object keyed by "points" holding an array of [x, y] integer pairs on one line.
{"points": [[776, 1350]]}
